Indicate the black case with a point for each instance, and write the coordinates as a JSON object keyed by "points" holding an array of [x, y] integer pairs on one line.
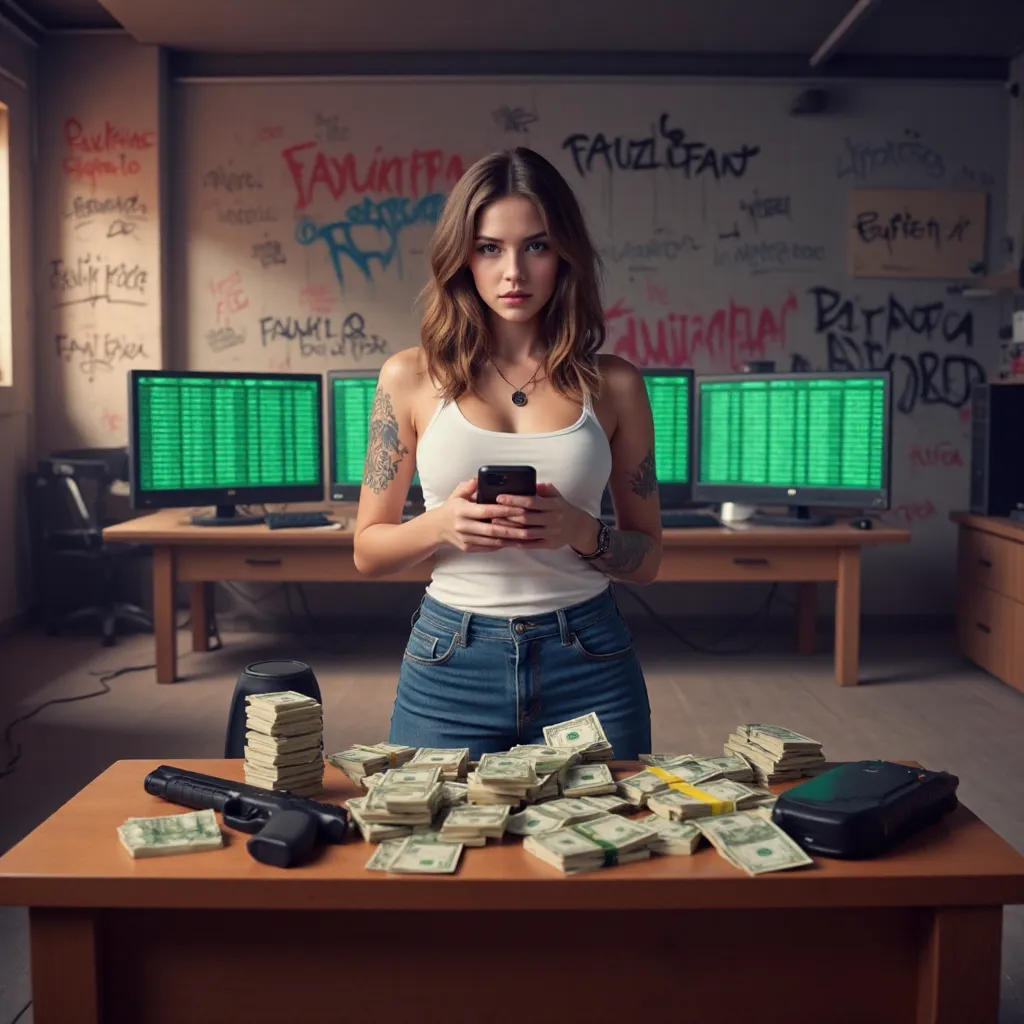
{"points": [[860, 809]]}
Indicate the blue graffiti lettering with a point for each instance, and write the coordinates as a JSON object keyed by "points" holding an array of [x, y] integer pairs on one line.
{"points": [[370, 231]]}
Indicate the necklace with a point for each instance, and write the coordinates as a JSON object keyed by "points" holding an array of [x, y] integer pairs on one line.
{"points": [[518, 395]]}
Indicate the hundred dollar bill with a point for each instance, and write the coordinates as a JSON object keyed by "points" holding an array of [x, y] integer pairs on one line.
{"points": [[171, 833], [752, 843], [506, 768], [588, 780], [384, 855]]}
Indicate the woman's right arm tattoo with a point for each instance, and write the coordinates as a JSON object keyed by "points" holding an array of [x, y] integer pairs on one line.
{"points": [[385, 450]]}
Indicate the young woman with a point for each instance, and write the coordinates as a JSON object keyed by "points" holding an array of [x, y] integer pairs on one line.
{"points": [[518, 628]]}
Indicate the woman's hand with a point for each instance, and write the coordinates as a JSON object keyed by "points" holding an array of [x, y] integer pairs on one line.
{"points": [[549, 521], [465, 525]]}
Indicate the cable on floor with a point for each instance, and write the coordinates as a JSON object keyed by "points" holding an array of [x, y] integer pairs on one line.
{"points": [[760, 613], [21, 1012]]}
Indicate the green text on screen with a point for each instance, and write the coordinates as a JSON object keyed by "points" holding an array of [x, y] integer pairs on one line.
{"points": [[818, 432], [352, 398], [208, 433], [670, 406]]}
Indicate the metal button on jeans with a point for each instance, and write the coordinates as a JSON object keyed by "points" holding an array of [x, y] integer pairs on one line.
{"points": [[520, 627]]}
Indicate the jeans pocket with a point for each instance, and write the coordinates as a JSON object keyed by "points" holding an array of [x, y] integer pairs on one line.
{"points": [[605, 640], [430, 645]]}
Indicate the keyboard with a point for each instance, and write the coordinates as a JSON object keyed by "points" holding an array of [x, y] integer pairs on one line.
{"points": [[293, 520], [685, 518], [675, 519]]}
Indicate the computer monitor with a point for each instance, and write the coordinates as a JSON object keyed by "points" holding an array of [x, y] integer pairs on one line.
{"points": [[350, 401], [795, 439], [224, 439]]}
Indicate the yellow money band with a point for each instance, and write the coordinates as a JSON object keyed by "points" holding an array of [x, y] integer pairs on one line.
{"points": [[676, 783]]}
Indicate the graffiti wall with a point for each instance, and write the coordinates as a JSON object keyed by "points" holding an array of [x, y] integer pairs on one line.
{"points": [[306, 208]]}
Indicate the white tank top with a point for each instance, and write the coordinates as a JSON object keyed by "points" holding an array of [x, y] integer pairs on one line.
{"points": [[514, 581]]}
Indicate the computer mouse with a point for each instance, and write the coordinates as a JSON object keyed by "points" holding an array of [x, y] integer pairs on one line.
{"points": [[863, 524]]}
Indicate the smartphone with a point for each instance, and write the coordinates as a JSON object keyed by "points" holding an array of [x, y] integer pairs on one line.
{"points": [[494, 480]]}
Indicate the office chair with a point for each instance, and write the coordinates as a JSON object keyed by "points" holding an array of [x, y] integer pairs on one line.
{"points": [[66, 516]]}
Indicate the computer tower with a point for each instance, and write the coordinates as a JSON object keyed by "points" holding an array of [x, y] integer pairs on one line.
{"points": [[997, 430]]}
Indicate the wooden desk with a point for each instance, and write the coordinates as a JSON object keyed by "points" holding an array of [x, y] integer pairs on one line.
{"points": [[202, 554], [211, 937]]}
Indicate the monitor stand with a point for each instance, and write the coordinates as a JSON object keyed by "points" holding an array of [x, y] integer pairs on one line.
{"points": [[226, 515], [798, 515]]}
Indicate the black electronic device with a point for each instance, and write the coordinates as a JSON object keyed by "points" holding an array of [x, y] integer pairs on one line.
{"points": [[224, 439], [997, 470], [863, 524], [863, 808], [350, 396], [296, 520], [494, 480], [285, 828], [795, 439]]}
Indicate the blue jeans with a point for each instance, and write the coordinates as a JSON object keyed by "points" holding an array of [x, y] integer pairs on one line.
{"points": [[487, 683]]}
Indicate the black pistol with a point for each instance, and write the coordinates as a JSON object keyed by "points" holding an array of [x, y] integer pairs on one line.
{"points": [[285, 828]]}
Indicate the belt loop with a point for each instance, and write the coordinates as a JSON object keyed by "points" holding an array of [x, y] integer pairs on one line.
{"points": [[563, 628], [467, 618], [419, 611]]}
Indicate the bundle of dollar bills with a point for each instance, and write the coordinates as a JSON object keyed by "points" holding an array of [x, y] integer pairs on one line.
{"points": [[361, 760], [424, 854], [774, 753], [751, 842], [673, 838], [284, 743], [720, 796], [473, 826], [171, 833], [592, 845], [588, 780], [583, 736], [452, 762]]}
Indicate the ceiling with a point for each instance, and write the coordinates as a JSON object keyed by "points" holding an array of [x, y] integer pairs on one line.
{"points": [[992, 29]]}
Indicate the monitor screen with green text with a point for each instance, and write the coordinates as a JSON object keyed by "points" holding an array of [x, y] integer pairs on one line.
{"points": [[794, 438], [209, 437]]}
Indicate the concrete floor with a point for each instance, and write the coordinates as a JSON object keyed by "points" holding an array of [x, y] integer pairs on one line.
{"points": [[919, 700]]}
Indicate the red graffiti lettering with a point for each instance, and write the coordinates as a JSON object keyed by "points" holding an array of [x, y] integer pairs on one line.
{"points": [[914, 511], [317, 299], [229, 297], [417, 173], [113, 421], [942, 455], [269, 132], [727, 337], [657, 293], [109, 139], [93, 168]]}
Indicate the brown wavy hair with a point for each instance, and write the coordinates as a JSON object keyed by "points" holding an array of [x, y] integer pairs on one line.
{"points": [[454, 330]]}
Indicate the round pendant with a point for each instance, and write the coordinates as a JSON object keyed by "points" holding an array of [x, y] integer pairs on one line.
{"points": [[518, 398]]}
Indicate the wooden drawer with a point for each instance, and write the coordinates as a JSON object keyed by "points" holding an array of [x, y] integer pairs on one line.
{"points": [[265, 563], [770, 564], [989, 561], [988, 630]]}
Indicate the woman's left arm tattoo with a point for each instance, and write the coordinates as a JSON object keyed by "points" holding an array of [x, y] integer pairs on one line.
{"points": [[643, 478], [625, 554]]}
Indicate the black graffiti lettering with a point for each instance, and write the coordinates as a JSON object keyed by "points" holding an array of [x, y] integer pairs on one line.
{"points": [[242, 215], [354, 341], [899, 227], [222, 338], [319, 335], [120, 227], [864, 158], [930, 321], [669, 147], [227, 180], [919, 378], [513, 119], [268, 253]]}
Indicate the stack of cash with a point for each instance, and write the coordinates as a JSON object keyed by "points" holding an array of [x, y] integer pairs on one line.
{"points": [[171, 833], [533, 820], [374, 831], [572, 810], [546, 760], [727, 766], [592, 845], [508, 780], [748, 840], [284, 743], [775, 754], [451, 762], [473, 826], [680, 806], [583, 735], [364, 759], [405, 796], [673, 838], [637, 789], [416, 855], [588, 780]]}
